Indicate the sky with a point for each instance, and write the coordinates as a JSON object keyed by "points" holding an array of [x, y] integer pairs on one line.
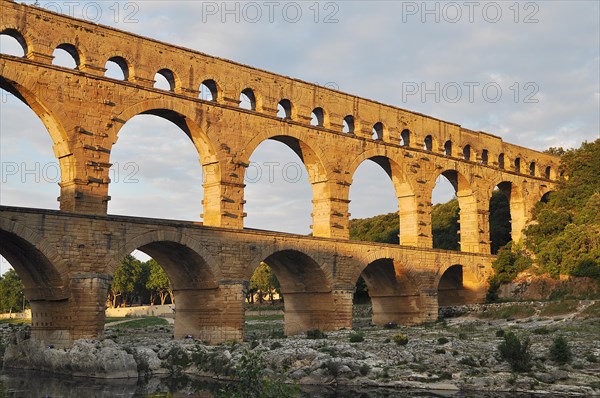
{"points": [[526, 71]]}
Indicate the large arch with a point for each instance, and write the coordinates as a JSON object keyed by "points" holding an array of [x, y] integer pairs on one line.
{"points": [[306, 289], [405, 193], [458, 285], [194, 276], [518, 211], [468, 214]]}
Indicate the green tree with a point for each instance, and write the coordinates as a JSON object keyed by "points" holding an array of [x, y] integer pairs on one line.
{"points": [[125, 281], [158, 283], [264, 283], [11, 292], [445, 226], [500, 228]]}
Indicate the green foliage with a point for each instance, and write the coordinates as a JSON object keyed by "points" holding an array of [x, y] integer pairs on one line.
{"points": [[11, 292], [315, 334], [560, 352], [500, 228], [176, 361], [516, 352], [511, 260], [445, 226], [158, 282], [400, 339], [126, 280], [263, 283], [383, 228], [357, 337], [565, 236], [442, 340], [253, 383]]}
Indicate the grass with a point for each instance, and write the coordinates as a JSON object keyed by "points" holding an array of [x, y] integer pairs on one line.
{"points": [[143, 323], [593, 311], [512, 312], [559, 308], [114, 319], [15, 321]]}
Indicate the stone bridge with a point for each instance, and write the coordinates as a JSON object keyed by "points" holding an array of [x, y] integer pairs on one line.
{"points": [[66, 258]]}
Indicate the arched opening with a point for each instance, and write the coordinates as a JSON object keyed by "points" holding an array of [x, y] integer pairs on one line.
{"points": [[348, 125], [176, 272], [467, 152], [377, 131], [548, 172], [532, 169], [448, 148], [428, 143], [35, 278], [546, 197], [375, 218], [164, 80], [278, 191], [393, 296], [13, 43], [454, 222], [155, 171], [117, 68], [209, 90], [501, 161], [67, 56], [458, 286], [247, 99], [518, 165], [284, 109], [405, 137], [30, 171], [500, 219], [317, 117], [484, 156], [305, 290]]}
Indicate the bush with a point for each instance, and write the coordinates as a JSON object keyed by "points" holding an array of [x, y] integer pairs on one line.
{"points": [[440, 351], [499, 333], [516, 352], [469, 361], [357, 337], [400, 339], [560, 351], [314, 334], [364, 369], [591, 358], [275, 345], [442, 340]]}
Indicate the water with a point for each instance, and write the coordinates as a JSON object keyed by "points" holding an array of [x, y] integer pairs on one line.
{"points": [[28, 384]]}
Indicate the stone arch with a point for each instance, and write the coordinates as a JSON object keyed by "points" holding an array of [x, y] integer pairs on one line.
{"points": [[518, 211], [430, 143], [215, 89], [73, 50], [306, 288], [405, 192], [40, 266], [254, 98], [124, 64], [21, 38], [458, 285], [171, 77]]}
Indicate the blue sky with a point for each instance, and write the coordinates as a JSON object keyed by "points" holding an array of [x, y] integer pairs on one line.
{"points": [[533, 68]]}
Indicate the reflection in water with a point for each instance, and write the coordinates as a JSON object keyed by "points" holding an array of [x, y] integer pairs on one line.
{"points": [[23, 384]]}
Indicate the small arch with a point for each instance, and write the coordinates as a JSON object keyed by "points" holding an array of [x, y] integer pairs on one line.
{"points": [[117, 68], [348, 124], [67, 56], [548, 172], [546, 197], [377, 131], [209, 90], [284, 109], [165, 80], [467, 152], [458, 286], [448, 148], [517, 165], [317, 117], [428, 143], [532, 169], [405, 137], [501, 161], [484, 156], [248, 99], [13, 43]]}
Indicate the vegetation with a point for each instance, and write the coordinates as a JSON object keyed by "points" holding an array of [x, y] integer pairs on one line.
{"points": [[314, 334], [143, 323], [11, 292], [444, 225], [263, 284], [559, 308], [560, 352], [516, 352], [400, 339], [510, 312], [357, 337]]}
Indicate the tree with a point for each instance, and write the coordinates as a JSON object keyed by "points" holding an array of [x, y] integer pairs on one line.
{"points": [[158, 283], [500, 229], [264, 283], [444, 225], [125, 280], [11, 292]]}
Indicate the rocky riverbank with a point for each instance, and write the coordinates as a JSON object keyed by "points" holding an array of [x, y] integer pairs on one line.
{"points": [[458, 353]]}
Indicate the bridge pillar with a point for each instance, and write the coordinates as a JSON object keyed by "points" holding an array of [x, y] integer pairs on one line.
{"points": [[330, 210], [342, 299], [404, 309], [88, 304], [415, 222], [51, 322], [308, 310], [473, 238], [214, 315]]}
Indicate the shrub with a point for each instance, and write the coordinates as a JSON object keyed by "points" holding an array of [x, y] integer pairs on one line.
{"points": [[364, 369], [440, 351], [542, 331], [560, 351], [499, 333], [516, 352], [357, 337], [176, 361], [442, 340], [400, 339], [332, 367], [275, 345], [591, 358], [469, 361], [314, 334]]}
